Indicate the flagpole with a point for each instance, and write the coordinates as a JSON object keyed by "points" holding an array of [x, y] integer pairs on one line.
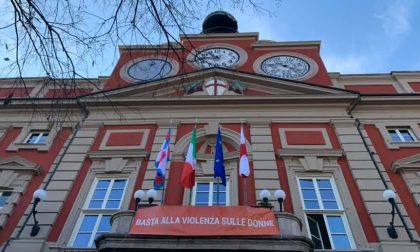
{"points": [[164, 179], [244, 180], [245, 191], [217, 194], [244, 176], [217, 179]]}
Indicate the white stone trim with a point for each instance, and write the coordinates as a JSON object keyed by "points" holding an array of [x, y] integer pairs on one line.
{"points": [[98, 170], [409, 168], [124, 69], [205, 162], [211, 182], [330, 169], [313, 66], [99, 211], [15, 175], [19, 142], [414, 127], [140, 146], [284, 143], [243, 55]]}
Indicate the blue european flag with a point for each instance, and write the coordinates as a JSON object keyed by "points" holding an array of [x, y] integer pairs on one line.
{"points": [[219, 166]]}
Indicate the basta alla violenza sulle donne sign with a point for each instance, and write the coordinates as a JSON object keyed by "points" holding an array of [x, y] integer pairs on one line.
{"points": [[204, 221]]}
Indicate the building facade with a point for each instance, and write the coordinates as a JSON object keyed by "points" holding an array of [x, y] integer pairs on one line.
{"points": [[333, 143]]}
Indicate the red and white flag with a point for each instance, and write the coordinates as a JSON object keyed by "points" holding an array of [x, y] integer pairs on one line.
{"points": [[243, 157]]}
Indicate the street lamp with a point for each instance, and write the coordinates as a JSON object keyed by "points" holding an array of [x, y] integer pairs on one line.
{"points": [[264, 196], [139, 195], [151, 195], [389, 195], [280, 195], [38, 196]]}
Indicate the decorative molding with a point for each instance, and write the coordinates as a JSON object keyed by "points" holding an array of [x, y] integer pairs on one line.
{"points": [[211, 127], [411, 163], [226, 155], [323, 131], [343, 123], [260, 123], [19, 164], [409, 168], [243, 55], [292, 152], [118, 154], [167, 124], [15, 175], [98, 170], [124, 69], [414, 127], [19, 142], [205, 170], [313, 66], [115, 164], [109, 132], [312, 163], [228, 135], [324, 168]]}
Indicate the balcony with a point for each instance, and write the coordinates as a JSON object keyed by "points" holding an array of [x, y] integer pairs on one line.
{"points": [[119, 239]]}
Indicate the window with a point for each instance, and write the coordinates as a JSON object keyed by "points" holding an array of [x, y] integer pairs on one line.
{"points": [[37, 137], [401, 134], [210, 194], [4, 195], [324, 213], [104, 199]]}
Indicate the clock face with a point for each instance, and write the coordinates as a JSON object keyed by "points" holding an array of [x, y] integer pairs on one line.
{"points": [[216, 57], [149, 69], [285, 66]]}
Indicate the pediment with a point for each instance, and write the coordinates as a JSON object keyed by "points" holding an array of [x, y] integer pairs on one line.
{"points": [[408, 163], [239, 84], [16, 163]]}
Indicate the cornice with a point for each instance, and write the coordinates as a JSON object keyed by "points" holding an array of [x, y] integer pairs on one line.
{"points": [[411, 163], [291, 44], [153, 48], [192, 37], [23, 165], [400, 99], [344, 99], [372, 76]]}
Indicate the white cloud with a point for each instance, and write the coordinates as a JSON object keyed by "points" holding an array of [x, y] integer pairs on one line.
{"points": [[396, 18], [345, 64]]}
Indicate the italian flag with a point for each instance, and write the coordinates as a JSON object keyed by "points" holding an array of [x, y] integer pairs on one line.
{"points": [[188, 173]]}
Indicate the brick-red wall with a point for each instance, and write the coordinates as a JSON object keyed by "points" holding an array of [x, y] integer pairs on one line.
{"points": [[63, 215], [388, 156], [43, 159], [368, 227]]}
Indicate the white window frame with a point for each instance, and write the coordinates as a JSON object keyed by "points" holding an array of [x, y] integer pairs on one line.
{"points": [[211, 186], [100, 212], [413, 128], [42, 133], [325, 212], [400, 136], [26, 130]]}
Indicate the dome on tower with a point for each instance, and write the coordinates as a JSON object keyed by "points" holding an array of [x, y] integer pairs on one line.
{"points": [[220, 22]]}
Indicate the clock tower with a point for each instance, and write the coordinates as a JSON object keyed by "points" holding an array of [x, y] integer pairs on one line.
{"points": [[220, 45]]}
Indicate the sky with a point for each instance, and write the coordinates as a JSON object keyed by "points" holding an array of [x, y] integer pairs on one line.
{"points": [[357, 36]]}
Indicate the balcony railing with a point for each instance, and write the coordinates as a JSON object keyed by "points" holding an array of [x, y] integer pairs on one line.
{"points": [[119, 239]]}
